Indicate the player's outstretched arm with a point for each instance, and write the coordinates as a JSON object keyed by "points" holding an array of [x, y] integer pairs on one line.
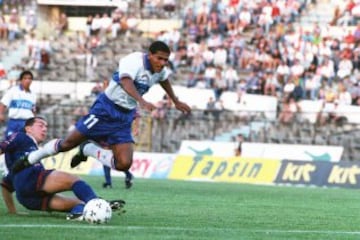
{"points": [[178, 104], [128, 85]]}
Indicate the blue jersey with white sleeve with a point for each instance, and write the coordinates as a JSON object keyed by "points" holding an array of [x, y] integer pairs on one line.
{"points": [[137, 67], [21, 105]]}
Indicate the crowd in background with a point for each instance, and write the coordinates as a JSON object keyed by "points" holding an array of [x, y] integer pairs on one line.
{"points": [[254, 47], [246, 47]]}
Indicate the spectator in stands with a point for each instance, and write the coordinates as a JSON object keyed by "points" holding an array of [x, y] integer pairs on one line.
{"points": [[106, 24], [96, 25], [169, 7], [355, 92], [220, 56], [14, 25], [346, 19], [253, 83], [3, 28], [271, 84], [123, 6], [265, 19], [88, 23], [202, 13], [97, 89], [345, 66], [31, 42], [20, 104], [132, 22], [30, 21], [116, 23], [162, 108], [210, 75], [297, 69], [289, 110], [91, 55], [343, 96], [197, 64], [191, 80], [62, 24], [326, 69], [210, 107], [2, 71], [207, 55], [231, 77], [220, 84], [283, 72], [189, 18], [355, 11], [214, 108], [244, 19], [336, 15], [334, 115], [357, 32], [312, 85], [44, 59], [150, 6], [288, 87], [239, 141], [241, 89], [214, 24]]}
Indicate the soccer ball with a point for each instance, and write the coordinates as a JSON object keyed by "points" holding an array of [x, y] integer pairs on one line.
{"points": [[97, 211]]}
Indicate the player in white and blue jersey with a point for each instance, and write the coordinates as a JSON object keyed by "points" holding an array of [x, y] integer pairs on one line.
{"points": [[110, 117], [20, 103], [38, 188]]}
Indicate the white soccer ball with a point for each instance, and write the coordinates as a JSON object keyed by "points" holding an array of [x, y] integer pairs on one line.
{"points": [[97, 211]]}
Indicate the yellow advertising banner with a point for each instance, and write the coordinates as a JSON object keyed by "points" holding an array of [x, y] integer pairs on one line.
{"points": [[230, 169]]}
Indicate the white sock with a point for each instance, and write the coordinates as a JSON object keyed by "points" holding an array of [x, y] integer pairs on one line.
{"points": [[49, 149], [105, 156]]}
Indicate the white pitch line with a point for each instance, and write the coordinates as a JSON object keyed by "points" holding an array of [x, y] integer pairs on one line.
{"points": [[76, 226]]}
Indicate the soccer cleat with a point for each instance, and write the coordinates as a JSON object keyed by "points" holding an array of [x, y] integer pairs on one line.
{"points": [[21, 164], [75, 217], [107, 185], [117, 205], [128, 180], [79, 156]]}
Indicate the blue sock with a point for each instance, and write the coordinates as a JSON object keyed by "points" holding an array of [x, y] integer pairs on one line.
{"points": [[78, 209], [83, 191], [107, 174], [128, 174]]}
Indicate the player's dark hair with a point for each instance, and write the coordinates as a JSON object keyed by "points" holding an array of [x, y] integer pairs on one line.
{"points": [[159, 46], [31, 121], [26, 72]]}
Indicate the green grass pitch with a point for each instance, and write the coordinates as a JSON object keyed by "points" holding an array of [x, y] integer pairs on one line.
{"points": [[165, 209]]}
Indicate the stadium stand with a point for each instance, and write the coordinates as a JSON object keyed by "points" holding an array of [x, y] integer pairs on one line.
{"points": [[77, 57]]}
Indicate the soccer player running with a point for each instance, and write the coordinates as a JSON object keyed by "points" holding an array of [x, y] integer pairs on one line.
{"points": [[20, 103], [112, 113], [36, 187]]}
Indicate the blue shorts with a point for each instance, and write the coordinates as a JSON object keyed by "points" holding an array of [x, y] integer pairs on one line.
{"points": [[14, 125], [107, 122], [28, 184]]}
